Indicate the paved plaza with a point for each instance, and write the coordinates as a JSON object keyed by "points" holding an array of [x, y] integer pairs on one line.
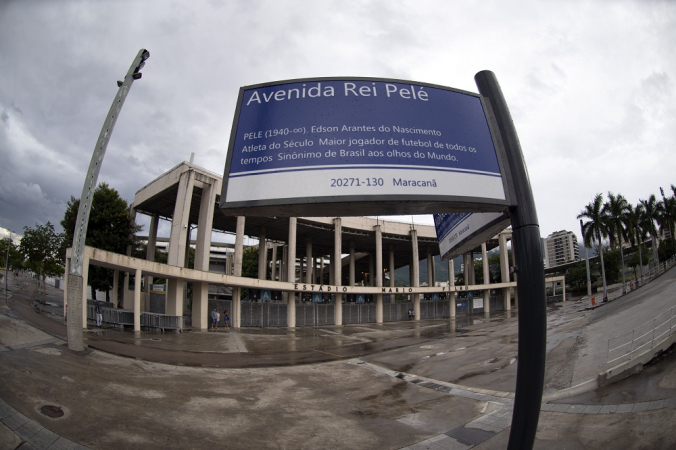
{"points": [[433, 384]]}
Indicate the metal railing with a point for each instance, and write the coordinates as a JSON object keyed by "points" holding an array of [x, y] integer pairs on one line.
{"points": [[124, 317], [648, 273], [627, 346]]}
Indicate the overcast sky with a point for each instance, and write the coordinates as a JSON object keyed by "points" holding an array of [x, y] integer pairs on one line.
{"points": [[591, 85]]}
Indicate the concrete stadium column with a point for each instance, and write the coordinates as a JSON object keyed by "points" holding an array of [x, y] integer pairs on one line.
{"points": [[177, 242], [85, 275], [116, 287], [127, 300], [283, 267], [291, 272], [137, 300], [392, 280], [310, 261], [487, 292], [237, 271], [150, 256], [321, 269], [564, 289], [469, 268], [430, 268], [262, 255], [415, 282], [200, 297], [392, 268], [379, 273], [504, 270], [451, 285], [301, 269], [332, 272], [337, 267], [351, 275], [273, 275]]}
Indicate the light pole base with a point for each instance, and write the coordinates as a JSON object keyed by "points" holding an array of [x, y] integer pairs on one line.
{"points": [[74, 314]]}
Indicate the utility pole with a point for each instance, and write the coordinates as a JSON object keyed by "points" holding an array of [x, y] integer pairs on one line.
{"points": [[7, 263], [74, 307]]}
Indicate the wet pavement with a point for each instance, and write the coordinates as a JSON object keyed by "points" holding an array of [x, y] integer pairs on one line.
{"points": [[427, 384]]}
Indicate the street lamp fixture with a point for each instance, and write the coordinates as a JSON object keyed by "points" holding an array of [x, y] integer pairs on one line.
{"points": [[74, 307]]}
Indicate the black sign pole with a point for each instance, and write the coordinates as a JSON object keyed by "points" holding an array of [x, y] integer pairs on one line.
{"points": [[531, 282]]}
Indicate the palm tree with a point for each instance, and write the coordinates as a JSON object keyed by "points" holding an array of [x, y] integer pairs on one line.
{"points": [[668, 212], [595, 229], [634, 230], [615, 217], [651, 214]]}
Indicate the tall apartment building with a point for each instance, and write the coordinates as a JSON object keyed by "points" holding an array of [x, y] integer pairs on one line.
{"points": [[560, 248]]}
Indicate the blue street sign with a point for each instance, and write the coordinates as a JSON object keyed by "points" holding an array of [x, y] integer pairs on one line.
{"points": [[360, 140], [266, 295]]}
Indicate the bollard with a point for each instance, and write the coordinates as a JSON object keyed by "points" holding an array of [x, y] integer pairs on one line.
{"points": [[593, 301]]}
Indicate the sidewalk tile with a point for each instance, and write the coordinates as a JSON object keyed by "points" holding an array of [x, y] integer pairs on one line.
{"points": [[592, 409], [670, 402], [658, 404], [44, 438], [559, 407], [625, 408], [15, 421], [575, 409], [639, 407], [608, 409]]}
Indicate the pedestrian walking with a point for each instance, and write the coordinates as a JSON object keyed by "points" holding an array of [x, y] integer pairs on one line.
{"points": [[99, 313], [214, 318], [226, 319]]}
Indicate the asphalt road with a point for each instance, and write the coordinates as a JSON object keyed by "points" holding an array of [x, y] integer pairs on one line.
{"points": [[409, 385]]}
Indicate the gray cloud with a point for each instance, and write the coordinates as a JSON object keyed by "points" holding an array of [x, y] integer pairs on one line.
{"points": [[593, 103]]}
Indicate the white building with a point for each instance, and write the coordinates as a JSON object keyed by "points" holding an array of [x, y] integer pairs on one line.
{"points": [[561, 248]]}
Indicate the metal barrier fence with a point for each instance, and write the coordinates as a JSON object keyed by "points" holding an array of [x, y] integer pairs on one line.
{"points": [[265, 314], [359, 313], [396, 312], [124, 317], [274, 314], [641, 339], [162, 321]]}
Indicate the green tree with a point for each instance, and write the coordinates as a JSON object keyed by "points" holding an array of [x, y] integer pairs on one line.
{"points": [[667, 216], [615, 210], [635, 260], [649, 219], [15, 261], [613, 264], [635, 233], [666, 249], [249, 265], [110, 228], [576, 277], [250, 262], [40, 248], [595, 229]]}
